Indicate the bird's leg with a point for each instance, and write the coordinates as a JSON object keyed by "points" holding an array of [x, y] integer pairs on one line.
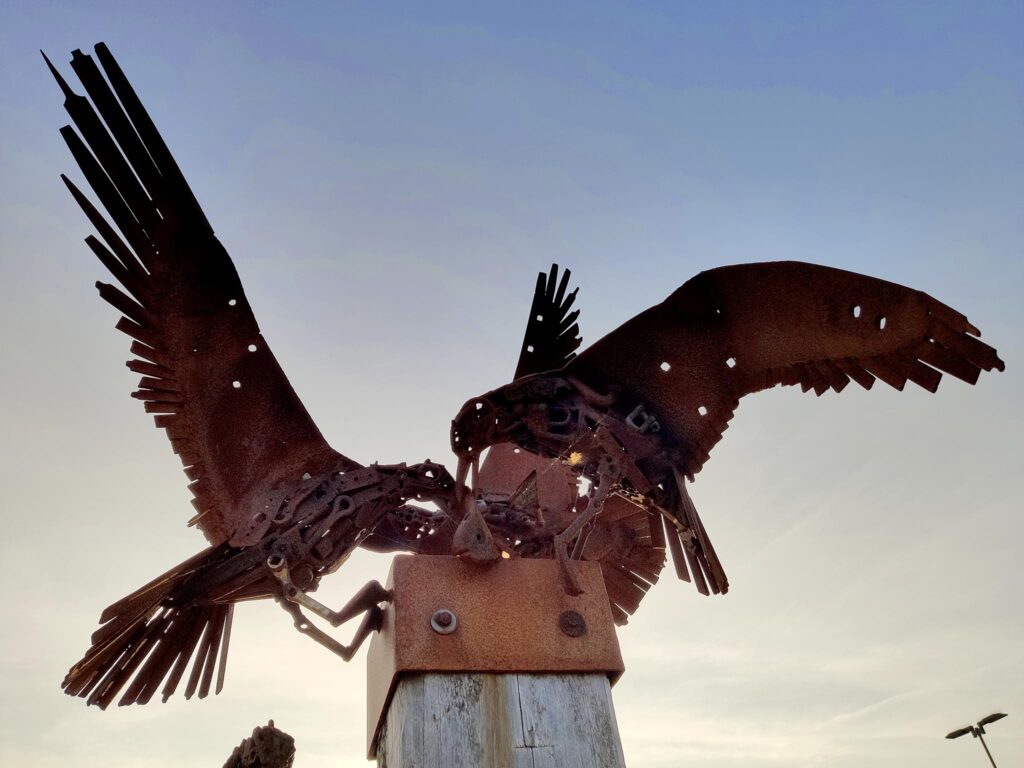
{"points": [[466, 467], [474, 474], [570, 578], [597, 499], [473, 538], [372, 622], [367, 601]]}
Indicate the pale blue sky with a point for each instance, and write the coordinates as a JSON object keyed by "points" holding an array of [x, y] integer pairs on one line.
{"points": [[388, 179]]}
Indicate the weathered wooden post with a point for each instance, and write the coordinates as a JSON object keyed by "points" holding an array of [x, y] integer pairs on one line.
{"points": [[493, 668]]}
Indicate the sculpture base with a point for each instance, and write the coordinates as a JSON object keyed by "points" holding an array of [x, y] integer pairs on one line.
{"points": [[512, 617], [480, 720]]}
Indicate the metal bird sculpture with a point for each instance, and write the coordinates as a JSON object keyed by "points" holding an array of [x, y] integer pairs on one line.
{"points": [[638, 413], [279, 507], [635, 416]]}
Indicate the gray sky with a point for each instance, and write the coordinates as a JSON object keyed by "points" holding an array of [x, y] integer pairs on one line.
{"points": [[388, 180]]}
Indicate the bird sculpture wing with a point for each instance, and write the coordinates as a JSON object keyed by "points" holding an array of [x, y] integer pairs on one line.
{"points": [[550, 341], [207, 372], [630, 544], [740, 329], [552, 335]]}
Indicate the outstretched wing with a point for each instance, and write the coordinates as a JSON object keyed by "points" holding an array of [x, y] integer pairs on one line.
{"points": [[552, 335], [207, 372], [740, 329]]}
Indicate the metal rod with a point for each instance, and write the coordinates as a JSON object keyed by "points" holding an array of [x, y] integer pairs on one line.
{"points": [[982, 738]]}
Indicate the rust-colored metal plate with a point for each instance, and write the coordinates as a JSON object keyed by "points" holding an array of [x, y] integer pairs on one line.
{"points": [[511, 617]]}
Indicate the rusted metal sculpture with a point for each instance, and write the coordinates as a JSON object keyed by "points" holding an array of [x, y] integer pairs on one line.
{"points": [[635, 416], [278, 505], [638, 412]]}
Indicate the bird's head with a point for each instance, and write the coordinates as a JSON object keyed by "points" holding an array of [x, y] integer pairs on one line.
{"points": [[485, 421], [473, 539], [525, 412]]}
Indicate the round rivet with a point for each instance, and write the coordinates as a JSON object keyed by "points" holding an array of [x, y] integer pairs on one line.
{"points": [[572, 624], [443, 622]]}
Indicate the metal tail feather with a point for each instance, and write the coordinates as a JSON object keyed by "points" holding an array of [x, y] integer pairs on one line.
{"points": [[146, 638]]}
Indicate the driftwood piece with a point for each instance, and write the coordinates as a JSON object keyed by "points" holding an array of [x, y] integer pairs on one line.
{"points": [[268, 747]]}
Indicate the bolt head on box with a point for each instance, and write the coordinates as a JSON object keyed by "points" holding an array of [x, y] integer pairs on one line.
{"points": [[572, 623], [444, 622]]}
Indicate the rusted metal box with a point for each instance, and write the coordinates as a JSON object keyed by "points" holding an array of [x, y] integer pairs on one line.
{"points": [[511, 617]]}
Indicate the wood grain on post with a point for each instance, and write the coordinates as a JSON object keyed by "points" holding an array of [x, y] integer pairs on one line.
{"points": [[471, 720], [523, 680]]}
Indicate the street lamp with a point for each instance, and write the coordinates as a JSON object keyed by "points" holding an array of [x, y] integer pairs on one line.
{"points": [[977, 731]]}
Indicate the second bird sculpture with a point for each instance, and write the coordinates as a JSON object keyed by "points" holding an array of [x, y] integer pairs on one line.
{"points": [[279, 507], [638, 413]]}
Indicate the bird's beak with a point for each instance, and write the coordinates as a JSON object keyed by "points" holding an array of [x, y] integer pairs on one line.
{"points": [[473, 539], [460, 481], [461, 473]]}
